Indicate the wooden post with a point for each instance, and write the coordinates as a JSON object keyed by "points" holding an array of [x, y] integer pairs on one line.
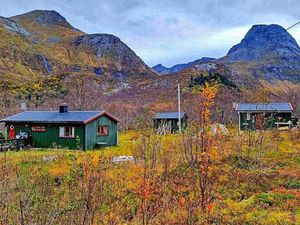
{"points": [[239, 121], [179, 109]]}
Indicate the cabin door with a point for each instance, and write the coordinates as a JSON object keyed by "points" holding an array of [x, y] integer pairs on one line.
{"points": [[259, 122]]}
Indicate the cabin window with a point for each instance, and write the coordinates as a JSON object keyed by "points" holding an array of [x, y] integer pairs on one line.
{"points": [[102, 131], [67, 132], [248, 116]]}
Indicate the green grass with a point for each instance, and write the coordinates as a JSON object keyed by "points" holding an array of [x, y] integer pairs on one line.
{"points": [[31, 159]]}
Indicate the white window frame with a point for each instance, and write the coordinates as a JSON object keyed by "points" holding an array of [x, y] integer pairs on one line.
{"points": [[63, 129]]}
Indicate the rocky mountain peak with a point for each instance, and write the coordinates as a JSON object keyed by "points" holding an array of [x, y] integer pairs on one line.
{"points": [[265, 41], [45, 17]]}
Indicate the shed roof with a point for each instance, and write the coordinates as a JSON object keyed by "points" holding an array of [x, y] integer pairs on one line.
{"points": [[168, 115], [281, 107], [78, 117]]}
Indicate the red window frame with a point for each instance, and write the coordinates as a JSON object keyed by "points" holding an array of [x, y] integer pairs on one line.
{"points": [[102, 130]]}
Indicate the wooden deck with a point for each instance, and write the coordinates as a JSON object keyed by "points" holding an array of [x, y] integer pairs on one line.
{"points": [[14, 144]]}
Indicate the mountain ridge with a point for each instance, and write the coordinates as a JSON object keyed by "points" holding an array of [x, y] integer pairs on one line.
{"points": [[179, 67]]}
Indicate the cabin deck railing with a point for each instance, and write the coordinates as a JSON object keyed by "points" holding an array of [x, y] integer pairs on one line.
{"points": [[11, 144]]}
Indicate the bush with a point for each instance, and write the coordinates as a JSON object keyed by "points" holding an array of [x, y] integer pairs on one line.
{"points": [[265, 199], [269, 218], [293, 185], [278, 218], [273, 198], [2, 136]]}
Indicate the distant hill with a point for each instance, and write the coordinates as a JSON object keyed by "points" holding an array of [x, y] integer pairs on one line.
{"points": [[159, 68], [179, 67], [41, 43]]}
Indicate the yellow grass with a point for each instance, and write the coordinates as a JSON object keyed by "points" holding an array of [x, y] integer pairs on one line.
{"points": [[280, 157]]}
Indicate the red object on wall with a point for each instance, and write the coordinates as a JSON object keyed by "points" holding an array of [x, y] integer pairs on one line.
{"points": [[11, 132], [38, 128]]}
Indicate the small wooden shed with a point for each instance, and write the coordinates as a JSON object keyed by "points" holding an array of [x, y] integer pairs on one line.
{"points": [[257, 116], [65, 129], [168, 122]]}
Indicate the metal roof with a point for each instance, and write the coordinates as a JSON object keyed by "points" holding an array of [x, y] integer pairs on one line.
{"points": [[56, 117], [282, 107], [168, 115]]}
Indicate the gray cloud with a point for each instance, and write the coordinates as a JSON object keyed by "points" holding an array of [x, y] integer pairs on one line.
{"points": [[169, 31]]}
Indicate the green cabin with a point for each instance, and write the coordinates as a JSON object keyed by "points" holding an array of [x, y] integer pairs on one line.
{"points": [[263, 116], [65, 129], [168, 122]]}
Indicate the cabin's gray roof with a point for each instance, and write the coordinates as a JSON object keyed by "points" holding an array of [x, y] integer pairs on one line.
{"points": [[56, 117], [168, 115], [281, 107]]}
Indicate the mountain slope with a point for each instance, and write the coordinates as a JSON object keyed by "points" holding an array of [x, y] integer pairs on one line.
{"points": [[42, 42], [109, 54]]}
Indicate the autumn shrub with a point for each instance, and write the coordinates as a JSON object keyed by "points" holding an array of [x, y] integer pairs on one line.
{"points": [[294, 136], [279, 199]]}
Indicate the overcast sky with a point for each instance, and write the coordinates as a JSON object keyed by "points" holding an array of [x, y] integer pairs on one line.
{"points": [[169, 31]]}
